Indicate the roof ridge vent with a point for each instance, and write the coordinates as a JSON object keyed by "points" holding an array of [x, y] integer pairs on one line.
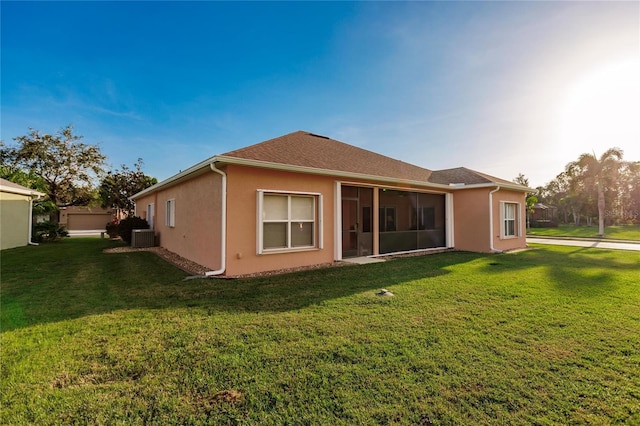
{"points": [[319, 136]]}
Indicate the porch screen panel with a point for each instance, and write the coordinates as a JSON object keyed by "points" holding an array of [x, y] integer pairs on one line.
{"points": [[396, 233], [431, 221], [419, 221]]}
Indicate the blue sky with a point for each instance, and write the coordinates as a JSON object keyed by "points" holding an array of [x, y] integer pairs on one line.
{"points": [[499, 87]]}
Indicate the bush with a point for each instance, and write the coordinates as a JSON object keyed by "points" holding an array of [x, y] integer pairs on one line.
{"points": [[129, 224], [48, 231], [112, 229]]}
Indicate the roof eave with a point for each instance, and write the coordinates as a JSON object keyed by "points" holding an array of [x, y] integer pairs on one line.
{"points": [[223, 159], [514, 186], [325, 172], [19, 191]]}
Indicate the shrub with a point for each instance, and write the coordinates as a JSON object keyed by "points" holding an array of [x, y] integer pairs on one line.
{"points": [[129, 224], [112, 229], [48, 231]]}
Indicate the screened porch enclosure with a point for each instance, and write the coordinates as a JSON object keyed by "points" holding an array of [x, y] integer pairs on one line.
{"points": [[410, 221], [405, 221]]}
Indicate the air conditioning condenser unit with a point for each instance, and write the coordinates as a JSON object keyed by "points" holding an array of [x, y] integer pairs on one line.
{"points": [[141, 238]]}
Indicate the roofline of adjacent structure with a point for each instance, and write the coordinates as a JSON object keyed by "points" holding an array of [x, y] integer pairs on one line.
{"points": [[20, 191], [503, 185], [222, 159]]}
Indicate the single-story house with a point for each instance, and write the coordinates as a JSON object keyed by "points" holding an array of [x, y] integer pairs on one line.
{"points": [[304, 199], [85, 220], [16, 212]]}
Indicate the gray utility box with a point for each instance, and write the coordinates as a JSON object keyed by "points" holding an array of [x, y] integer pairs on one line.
{"points": [[141, 238]]}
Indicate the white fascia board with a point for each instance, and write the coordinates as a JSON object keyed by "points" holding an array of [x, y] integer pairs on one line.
{"points": [[513, 187], [20, 191]]}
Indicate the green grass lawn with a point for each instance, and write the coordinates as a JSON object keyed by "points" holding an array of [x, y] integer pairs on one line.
{"points": [[544, 336], [622, 232]]}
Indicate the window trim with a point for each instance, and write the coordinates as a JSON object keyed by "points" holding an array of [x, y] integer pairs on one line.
{"points": [[170, 213], [318, 243], [503, 220]]}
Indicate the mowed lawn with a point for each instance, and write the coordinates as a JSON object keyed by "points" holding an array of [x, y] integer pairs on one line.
{"points": [[620, 232], [545, 336]]}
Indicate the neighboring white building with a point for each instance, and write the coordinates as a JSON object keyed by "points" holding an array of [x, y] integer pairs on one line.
{"points": [[16, 205]]}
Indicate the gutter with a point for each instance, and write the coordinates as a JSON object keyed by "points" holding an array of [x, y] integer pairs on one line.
{"points": [[491, 247], [29, 242], [223, 233]]}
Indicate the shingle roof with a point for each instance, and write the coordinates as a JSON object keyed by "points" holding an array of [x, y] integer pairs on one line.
{"points": [[317, 153], [310, 150], [466, 176]]}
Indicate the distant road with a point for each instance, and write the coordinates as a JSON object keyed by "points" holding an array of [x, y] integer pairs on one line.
{"points": [[585, 243]]}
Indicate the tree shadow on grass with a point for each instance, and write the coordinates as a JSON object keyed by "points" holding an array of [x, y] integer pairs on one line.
{"points": [[75, 279], [580, 272]]}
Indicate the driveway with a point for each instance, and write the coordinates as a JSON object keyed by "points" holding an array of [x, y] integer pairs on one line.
{"points": [[586, 243]]}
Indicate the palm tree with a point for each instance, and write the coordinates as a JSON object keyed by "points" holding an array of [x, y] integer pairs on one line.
{"points": [[590, 171]]}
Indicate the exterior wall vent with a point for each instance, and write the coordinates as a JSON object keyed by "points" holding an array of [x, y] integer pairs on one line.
{"points": [[141, 238]]}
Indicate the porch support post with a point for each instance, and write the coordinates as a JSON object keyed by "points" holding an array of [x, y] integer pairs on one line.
{"points": [[376, 221], [337, 221], [449, 220]]}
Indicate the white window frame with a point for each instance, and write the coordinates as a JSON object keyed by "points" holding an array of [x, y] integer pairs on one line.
{"points": [[504, 219], [317, 221], [150, 213], [170, 213]]}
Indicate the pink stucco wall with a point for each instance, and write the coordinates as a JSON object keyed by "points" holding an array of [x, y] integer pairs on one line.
{"points": [[197, 231], [471, 220], [509, 243], [471, 215], [242, 186]]}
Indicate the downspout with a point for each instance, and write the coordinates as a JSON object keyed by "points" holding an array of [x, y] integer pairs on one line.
{"points": [[223, 233], [31, 223], [493, 249]]}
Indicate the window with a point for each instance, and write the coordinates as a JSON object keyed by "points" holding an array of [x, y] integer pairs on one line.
{"points": [[287, 221], [171, 213], [150, 215], [509, 220]]}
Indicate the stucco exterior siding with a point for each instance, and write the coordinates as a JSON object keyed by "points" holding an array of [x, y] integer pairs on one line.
{"points": [[196, 234], [520, 240], [14, 220], [242, 219], [471, 220]]}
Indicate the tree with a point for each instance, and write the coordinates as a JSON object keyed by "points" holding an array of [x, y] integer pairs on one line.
{"points": [[117, 186], [629, 192], [32, 181], [67, 166], [597, 173], [531, 199]]}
